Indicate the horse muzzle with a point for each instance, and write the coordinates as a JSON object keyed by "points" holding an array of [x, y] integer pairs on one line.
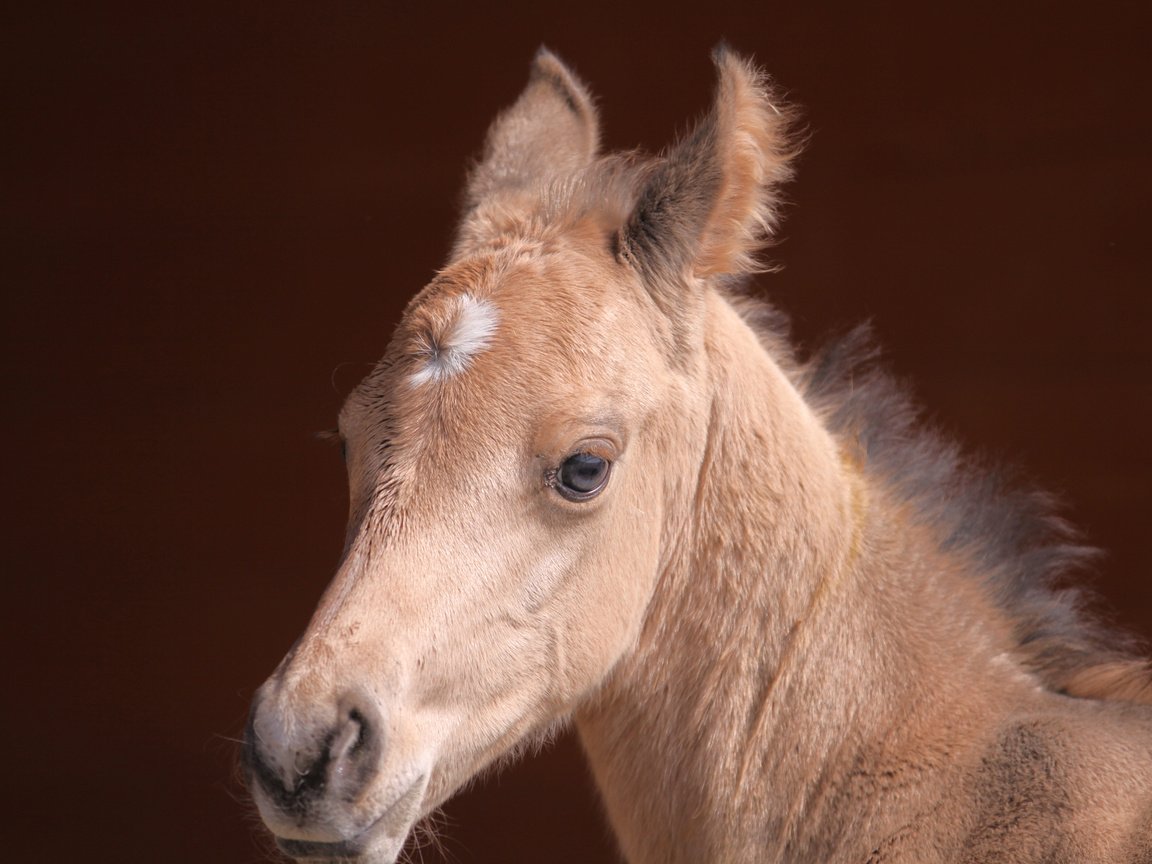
{"points": [[318, 784]]}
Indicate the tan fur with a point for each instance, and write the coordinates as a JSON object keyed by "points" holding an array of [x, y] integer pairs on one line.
{"points": [[773, 649]]}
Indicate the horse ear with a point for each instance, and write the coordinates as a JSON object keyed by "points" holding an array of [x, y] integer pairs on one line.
{"points": [[712, 202], [551, 130]]}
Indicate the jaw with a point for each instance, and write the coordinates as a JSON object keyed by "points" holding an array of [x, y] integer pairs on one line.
{"points": [[378, 842]]}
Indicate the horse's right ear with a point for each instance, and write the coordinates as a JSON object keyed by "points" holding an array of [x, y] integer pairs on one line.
{"points": [[550, 131], [713, 200]]}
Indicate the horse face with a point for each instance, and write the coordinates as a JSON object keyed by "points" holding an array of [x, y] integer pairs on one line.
{"points": [[508, 465]]}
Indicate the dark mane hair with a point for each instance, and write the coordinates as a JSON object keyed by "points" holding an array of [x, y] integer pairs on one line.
{"points": [[1029, 557]]}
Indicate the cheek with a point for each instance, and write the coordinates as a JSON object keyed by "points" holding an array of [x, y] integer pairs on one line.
{"points": [[624, 569], [606, 591]]}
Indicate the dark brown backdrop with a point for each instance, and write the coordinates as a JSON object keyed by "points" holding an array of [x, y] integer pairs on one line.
{"points": [[207, 211]]}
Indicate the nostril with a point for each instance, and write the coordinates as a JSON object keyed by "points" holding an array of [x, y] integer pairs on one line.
{"points": [[296, 763], [352, 751], [350, 738]]}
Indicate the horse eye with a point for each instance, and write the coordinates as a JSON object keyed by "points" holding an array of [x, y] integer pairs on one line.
{"points": [[582, 476]]}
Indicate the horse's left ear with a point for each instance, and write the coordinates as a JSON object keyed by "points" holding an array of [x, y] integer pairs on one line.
{"points": [[550, 131], [712, 201]]}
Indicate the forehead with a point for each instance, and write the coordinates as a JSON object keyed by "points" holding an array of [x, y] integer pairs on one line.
{"points": [[492, 337]]}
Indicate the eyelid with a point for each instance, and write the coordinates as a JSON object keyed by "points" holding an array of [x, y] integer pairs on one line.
{"points": [[600, 446]]}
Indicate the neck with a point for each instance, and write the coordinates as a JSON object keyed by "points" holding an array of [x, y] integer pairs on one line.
{"points": [[754, 689]]}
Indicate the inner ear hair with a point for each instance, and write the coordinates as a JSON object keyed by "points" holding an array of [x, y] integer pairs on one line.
{"points": [[712, 201]]}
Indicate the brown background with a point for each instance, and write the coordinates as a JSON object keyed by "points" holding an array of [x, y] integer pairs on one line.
{"points": [[207, 211]]}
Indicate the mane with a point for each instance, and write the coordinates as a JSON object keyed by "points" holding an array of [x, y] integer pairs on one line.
{"points": [[605, 190], [1011, 533], [608, 187]]}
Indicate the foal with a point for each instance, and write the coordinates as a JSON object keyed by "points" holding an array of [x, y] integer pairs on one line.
{"points": [[589, 482]]}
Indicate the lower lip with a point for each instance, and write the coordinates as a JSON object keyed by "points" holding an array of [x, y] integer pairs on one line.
{"points": [[343, 850], [312, 850]]}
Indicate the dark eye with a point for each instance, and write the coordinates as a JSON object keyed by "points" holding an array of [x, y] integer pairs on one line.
{"points": [[582, 476]]}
